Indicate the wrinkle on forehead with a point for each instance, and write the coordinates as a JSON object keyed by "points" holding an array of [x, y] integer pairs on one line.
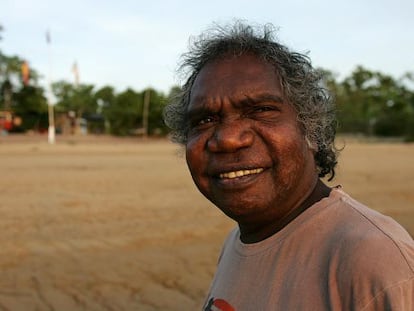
{"points": [[240, 81]]}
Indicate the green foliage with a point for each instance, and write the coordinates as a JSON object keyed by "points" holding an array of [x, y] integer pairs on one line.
{"points": [[10, 69], [30, 99], [79, 99], [156, 124], [125, 113], [31, 106], [373, 103], [104, 97], [26, 102], [409, 132]]}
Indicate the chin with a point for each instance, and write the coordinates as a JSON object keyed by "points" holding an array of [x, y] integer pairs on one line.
{"points": [[241, 210]]}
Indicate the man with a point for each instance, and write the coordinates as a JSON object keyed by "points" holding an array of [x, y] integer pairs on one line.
{"points": [[258, 129]]}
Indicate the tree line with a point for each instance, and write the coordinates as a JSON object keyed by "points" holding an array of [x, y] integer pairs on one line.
{"points": [[368, 102], [105, 110], [373, 103]]}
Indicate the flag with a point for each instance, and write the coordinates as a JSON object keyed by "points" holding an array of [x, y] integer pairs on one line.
{"points": [[75, 72], [25, 73], [47, 36]]}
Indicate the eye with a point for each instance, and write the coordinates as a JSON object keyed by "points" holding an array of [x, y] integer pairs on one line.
{"points": [[205, 120], [264, 109], [202, 122], [263, 112]]}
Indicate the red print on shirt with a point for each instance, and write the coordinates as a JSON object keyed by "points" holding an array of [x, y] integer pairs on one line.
{"points": [[218, 305]]}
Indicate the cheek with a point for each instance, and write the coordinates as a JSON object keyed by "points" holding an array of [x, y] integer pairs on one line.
{"points": [[194, 153], [301, 159], [291, 154], [191, 159], [299, 154], [197, 164]]}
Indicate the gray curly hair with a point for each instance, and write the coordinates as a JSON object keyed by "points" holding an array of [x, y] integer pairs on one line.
{"points": [[301, 83]]}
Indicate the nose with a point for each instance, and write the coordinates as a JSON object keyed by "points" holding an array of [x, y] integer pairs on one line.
{"points": [[231, 137]]}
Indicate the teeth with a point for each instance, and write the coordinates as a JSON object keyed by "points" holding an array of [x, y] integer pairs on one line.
{"points": [[241, 173]]}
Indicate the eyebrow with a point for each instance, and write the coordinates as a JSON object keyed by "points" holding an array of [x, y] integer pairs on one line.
{"points": [[197, 111], [261, 98], [248, 101]]}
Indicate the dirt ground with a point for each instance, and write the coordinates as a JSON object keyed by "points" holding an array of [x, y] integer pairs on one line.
{"points": [[98, 223]]}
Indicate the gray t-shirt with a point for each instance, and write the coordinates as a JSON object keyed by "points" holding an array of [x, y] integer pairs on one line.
{"points": [[337, 255]]}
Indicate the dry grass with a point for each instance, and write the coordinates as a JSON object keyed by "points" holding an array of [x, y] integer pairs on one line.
{"points": [[106, 224]]}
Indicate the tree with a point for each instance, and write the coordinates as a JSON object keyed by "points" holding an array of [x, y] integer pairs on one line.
{"points": [[11, 70], [395, 116], [105, 98], [31, 106], [373, 103], [156, 125], [125, 113], [26, 102], [79, 99], [356, 108]]}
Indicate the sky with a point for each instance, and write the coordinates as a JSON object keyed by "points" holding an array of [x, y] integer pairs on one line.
{"points": [[137, 44]]}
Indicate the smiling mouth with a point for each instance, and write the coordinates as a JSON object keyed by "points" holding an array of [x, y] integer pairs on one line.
{"points": [[240, 173]]}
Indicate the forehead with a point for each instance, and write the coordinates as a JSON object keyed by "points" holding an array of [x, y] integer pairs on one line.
{"points": [[236, 76]]}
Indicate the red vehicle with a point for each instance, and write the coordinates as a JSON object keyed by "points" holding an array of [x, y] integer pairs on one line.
{"points": [[6, 121]]}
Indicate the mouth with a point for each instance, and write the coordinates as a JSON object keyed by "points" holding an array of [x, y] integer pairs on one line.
{"points": [[240, 173]]}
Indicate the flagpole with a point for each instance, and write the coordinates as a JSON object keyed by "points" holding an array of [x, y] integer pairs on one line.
{"points": [[75, 72], [51, 129]]}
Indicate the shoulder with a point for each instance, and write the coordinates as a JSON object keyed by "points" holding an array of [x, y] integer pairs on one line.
{"points": [[366, 234], [399, 296], [374, 255]]}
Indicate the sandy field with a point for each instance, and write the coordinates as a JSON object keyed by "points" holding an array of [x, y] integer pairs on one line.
{"points": [[96, 223]]}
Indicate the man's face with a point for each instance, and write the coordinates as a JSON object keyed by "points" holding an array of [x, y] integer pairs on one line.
{"points": [[245, 150]]}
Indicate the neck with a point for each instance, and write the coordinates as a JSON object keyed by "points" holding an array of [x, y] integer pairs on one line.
{"points": [[255, 234]]}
